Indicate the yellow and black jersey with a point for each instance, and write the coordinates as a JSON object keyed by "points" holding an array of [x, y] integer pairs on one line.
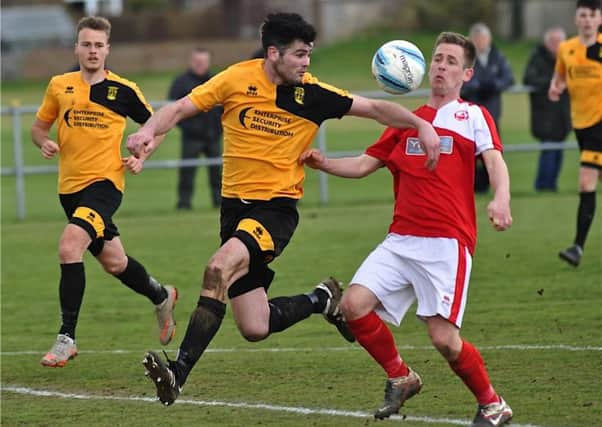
{"points": [[267, 127], [582, 68], [91, 121]]}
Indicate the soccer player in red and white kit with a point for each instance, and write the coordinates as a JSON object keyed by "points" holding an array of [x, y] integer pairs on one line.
{"points": [[427, 255]]}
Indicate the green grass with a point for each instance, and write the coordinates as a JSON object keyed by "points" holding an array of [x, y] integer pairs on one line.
{"points": [[520, 295], [524, 304]]}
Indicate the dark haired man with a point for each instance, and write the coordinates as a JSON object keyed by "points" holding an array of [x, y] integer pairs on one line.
{"points": [[91, 106], [579, 70], [272, 110], [427, 255]]}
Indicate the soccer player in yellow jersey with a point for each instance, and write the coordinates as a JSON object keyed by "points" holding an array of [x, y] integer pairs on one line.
{"points": [[579, 70], [272, 110], [91, 106]]}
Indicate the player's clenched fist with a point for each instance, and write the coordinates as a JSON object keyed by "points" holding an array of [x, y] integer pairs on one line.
{"points": [[133, 164], [140, 143], [49, 149], [499, 215], [312, 158]]}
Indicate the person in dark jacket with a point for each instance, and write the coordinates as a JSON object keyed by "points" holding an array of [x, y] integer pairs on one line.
{"points": [[492, 76], [200, 134], [550, 121]]}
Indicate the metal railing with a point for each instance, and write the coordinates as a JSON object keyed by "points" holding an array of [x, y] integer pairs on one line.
{"points": [[20, 170]]}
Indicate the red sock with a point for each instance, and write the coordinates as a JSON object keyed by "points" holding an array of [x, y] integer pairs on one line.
{"points": [[469, 366], [372, 333]]}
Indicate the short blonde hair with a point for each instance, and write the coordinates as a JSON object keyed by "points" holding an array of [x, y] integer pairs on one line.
{"points": [[94, 23]]}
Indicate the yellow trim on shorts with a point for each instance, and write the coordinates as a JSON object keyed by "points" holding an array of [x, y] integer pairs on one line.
{"points": [[91, 217], [591, 157], [259, 233]]}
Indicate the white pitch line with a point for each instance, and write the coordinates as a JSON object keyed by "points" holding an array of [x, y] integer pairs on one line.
{"points": [[261, 406], [509, 347]]}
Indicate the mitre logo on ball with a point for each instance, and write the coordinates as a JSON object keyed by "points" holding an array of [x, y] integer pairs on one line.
{"points": [[398, 67]]}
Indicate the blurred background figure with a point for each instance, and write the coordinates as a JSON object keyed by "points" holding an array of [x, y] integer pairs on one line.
{"points": [[550, 121], [200, 134], [492, 76], [258, 53]]}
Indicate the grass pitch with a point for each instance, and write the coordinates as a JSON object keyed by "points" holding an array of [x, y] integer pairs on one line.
{"points": [[536, 320]]}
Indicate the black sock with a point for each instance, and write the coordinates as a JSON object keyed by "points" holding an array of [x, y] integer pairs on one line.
{"points": [[286, 311], [137, 279], [319, 298], [585, 216], [202, 327], [71, 294]]}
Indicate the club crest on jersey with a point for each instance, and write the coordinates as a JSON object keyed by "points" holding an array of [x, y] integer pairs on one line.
{"points": [[112, 93], [299, 95], [413, 148], [461, 115]]}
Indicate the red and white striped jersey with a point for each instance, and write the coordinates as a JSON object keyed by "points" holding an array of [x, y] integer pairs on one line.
{"points": [[438, 203]]}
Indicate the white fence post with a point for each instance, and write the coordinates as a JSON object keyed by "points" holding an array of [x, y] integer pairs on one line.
{"points": [[19, 164], [323, 176]]}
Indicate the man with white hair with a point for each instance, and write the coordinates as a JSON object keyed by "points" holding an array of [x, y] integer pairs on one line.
{"points": [[492, 76], [550, 121]]}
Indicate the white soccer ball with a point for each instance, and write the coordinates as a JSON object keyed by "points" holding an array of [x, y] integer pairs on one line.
{"points": [[398, 67]]}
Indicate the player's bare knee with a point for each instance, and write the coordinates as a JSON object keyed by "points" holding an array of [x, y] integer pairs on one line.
{"points": [[69, 251], [352, 306], [115, 266], [213, 278], [254, 334]]}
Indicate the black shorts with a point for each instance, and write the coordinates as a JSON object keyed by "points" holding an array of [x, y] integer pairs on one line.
{"points": [[265, 227], [590, 145], [92, 209]]}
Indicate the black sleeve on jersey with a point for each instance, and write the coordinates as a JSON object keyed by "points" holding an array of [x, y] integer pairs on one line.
{"points": [[120, 99], [594, 52], [312, 102]]}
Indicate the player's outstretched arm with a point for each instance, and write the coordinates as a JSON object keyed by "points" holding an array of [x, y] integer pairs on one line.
{"points": [[498, 209], [39, 135], [394, 115], [144, 140], [345, 167]]}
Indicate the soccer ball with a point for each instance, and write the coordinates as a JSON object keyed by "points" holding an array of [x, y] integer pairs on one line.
{"points": [[398, 67]]}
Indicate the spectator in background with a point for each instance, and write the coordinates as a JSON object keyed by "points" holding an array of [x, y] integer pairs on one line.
{"points": [[579, 69], [492, 76], [258, 53], [550, 121], [200, 134]]}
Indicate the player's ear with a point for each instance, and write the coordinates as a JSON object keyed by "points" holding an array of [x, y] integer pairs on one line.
{"points": [[468, 73], [272, 53]]}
